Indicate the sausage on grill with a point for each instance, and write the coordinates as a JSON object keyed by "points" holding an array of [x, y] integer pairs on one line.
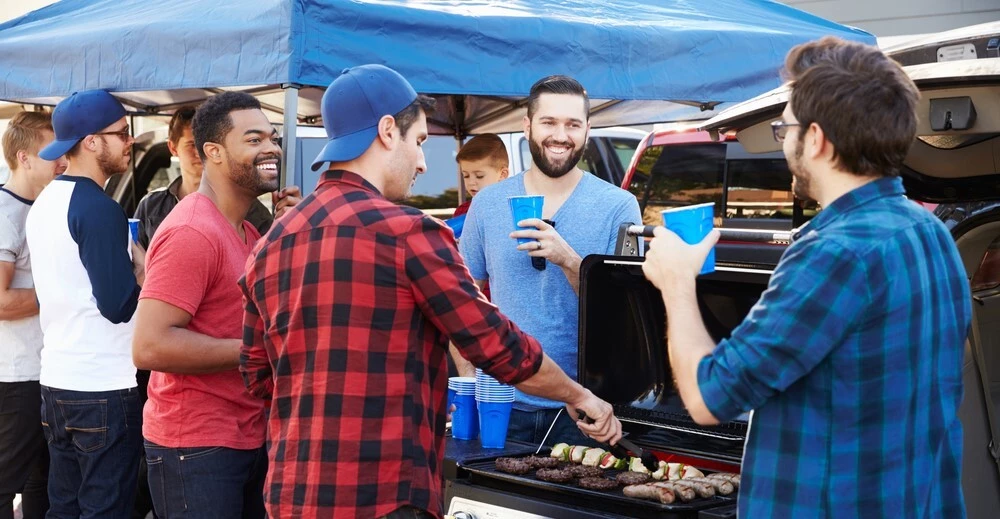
{"points": [[651, 492], [727, 476], [682, 493], [702, 489], [722, 486]]}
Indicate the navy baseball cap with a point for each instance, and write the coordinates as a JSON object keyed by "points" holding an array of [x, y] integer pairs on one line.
{"points": [[353, 105], [79, 115]]}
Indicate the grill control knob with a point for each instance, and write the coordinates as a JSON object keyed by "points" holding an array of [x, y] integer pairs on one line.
{"points": [[464, 515]]}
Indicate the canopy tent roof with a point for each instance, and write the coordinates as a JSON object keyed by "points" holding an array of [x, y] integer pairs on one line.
{"points": [[640, 60]]}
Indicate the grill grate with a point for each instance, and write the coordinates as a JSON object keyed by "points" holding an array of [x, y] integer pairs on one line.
{"points": [[487, 468]]}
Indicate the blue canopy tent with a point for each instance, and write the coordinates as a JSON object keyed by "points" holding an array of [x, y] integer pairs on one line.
{"points": [[641, 60]]}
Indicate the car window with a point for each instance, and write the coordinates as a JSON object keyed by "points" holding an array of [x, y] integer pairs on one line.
{"points": [[624, 149], [673, 176], [761, 189], [525, 155], [591, 162], [160, 179], [987, 276], [436, 191]]}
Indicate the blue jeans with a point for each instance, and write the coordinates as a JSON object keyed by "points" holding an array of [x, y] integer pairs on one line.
{"points": [[530, 426], [94, 440], [208, 482]]}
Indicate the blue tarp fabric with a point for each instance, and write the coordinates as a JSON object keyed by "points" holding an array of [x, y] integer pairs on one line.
{"points": [[677, 50]]}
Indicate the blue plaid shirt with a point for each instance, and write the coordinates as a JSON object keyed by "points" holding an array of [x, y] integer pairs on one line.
{"points": [[852, 363]]}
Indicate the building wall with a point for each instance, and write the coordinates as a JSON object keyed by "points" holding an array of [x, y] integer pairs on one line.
{"points": [[901, 17]]}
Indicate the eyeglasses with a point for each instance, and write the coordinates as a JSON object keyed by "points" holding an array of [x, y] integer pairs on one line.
{"points": [[123, 134], [780, 129]]}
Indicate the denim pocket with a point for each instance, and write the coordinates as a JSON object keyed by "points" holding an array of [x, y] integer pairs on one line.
{"points": [[193, 454], [86, 422], [47, 431]]}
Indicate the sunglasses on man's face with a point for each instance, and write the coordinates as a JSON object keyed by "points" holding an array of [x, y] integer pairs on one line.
{"points": [[123, 134]]}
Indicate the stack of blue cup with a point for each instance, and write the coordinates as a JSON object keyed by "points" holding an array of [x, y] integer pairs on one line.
{"points": [[495, 403], [465, 419]]}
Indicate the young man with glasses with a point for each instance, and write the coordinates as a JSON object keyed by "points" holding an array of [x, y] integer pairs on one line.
{"points": [[852, 358], [87, 275]]}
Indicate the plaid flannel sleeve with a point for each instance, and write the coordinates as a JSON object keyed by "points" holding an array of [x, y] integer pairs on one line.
{"points": [[447, 295], [255, 365], [814, 299]]}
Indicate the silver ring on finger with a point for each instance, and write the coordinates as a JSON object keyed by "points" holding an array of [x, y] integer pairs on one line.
{"points": [[539, 245]]}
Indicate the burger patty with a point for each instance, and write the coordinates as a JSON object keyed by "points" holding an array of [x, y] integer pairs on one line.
{"points": [[584, 471], [598, 483], [633, 478], [543, 462], [554, 475], [514, 465]]}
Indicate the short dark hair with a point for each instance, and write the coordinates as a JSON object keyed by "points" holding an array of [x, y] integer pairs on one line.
{"points": [[557, 84], [178, 122], [211, 120], [485, 146], [407, 116], [863, 100]]}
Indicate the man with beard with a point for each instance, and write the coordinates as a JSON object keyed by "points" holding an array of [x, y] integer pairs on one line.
{"points": [[24, 460], [587, 213], [157, 204], [354, 299], [852, 358], [87, 287], [204, 433]]}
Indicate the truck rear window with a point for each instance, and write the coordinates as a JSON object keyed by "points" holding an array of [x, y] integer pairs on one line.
{"points": [[746, 191]]}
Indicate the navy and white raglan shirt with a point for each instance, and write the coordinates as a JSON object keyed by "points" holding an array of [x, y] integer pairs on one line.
{"points": [[87, 292]]}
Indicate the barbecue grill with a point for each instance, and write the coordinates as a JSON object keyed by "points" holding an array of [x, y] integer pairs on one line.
{"points": [[622, 359]]}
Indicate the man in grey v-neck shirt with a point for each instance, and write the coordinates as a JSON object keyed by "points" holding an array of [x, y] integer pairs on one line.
{"points": [[23, 454], [585, 213]]}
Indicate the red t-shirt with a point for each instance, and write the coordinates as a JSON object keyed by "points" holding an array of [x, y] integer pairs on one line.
{"points": [[194, 263]]}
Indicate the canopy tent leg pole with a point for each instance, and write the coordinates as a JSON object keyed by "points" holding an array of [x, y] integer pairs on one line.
{"points": [[289, 129], [459, 136], [461, 182]]}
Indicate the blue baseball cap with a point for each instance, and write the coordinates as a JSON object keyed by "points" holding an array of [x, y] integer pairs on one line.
{"points": [[353, 105], [79, 115]]}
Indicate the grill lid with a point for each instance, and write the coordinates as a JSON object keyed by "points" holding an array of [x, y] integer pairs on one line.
{"points": [[623, 355]]}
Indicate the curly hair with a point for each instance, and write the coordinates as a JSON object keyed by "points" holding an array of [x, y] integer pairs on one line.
{"points": [[211, 120]]}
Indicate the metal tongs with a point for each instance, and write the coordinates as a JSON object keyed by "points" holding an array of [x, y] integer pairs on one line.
{"points": [[625, 446]]}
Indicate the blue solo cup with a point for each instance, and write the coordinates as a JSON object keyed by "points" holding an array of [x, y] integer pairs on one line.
{"points": [[451, 399], [457, 224], [524, 207], [493, 420], [692, 223], [133, 229], [465, 419]]}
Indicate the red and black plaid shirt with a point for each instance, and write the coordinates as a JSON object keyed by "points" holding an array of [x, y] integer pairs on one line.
{"points": [[350, 303]]}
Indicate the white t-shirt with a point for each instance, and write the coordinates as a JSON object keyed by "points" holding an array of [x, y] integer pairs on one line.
{"points": [[86, 289], [20, 339]]}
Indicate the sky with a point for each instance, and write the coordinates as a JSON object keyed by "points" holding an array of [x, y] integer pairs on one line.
{"points": [[10, 9]]}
